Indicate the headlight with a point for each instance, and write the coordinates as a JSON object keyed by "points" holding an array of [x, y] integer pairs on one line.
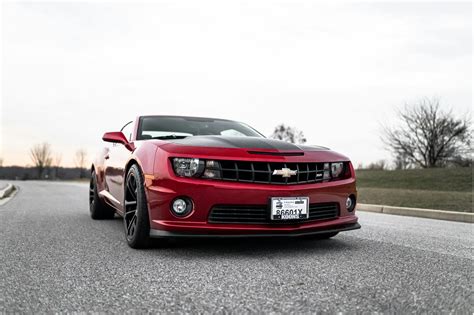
{"points": [[186, 167], [336, 169], [211, 169]]}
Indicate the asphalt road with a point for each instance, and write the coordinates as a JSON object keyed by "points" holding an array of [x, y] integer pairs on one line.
{"points": [[55, 258]]}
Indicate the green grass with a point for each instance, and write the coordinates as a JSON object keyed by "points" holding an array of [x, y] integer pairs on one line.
{"points": [[441, 179], [444, 189]]}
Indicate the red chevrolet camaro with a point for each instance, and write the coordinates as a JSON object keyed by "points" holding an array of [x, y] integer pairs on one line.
{"points": [[171, 176]]}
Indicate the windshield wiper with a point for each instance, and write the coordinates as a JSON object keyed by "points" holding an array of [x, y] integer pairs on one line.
{"points": [[170, 137]]}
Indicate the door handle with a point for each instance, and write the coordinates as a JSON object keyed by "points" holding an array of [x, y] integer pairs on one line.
{"points": [[107, 157]]}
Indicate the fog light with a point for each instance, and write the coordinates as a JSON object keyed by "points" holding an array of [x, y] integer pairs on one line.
{"points": [[181, 207], [350, 203]]}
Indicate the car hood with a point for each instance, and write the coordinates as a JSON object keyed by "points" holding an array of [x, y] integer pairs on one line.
{"points": [[252, 143], [245, 148]]}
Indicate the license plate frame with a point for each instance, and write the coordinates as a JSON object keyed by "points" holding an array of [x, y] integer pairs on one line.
{"points": [[289, 208]]}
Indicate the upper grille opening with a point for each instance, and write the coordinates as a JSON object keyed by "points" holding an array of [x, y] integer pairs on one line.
{"points": [[262, 172]]}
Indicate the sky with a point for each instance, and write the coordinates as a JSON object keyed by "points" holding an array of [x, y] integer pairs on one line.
{"points": [[336, 71]]}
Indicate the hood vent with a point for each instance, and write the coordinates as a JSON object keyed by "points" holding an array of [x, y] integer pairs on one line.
{"points": [[276, 153]]}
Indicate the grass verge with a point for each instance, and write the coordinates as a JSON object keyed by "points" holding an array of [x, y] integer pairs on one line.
{"points": [[439, 200], [441, 189]]}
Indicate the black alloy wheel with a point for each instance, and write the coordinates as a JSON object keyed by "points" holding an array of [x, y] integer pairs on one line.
{"points": [[136, 221], [91, 193], [98, 209], [131, 206]]}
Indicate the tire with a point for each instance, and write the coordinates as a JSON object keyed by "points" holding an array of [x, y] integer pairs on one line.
{"points": [[136, 219], [98, 209], [322, 236]]}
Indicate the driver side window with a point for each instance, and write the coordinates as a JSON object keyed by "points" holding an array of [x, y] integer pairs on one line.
{"points": [[127, 130]]}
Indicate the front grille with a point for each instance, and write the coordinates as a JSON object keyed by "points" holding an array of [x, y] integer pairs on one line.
{"points": [[262, 172], [244, 214]]}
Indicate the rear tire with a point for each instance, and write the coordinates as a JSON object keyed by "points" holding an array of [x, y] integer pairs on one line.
{"points": [[98, 209], [136, 218]]}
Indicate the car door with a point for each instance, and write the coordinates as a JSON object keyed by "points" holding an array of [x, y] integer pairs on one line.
{"points": [[115, 161]]}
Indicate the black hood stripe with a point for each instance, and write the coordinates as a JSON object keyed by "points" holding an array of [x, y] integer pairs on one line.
{"points": [[276, 153], [244, 143]]}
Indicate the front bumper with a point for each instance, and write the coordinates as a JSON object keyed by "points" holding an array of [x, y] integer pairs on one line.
{"points": [[207, 193]]}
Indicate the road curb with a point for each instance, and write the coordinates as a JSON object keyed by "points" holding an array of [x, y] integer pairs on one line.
{"points": [[420, 213], [5, 192]]}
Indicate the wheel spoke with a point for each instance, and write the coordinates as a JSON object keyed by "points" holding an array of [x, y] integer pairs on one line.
{"points": [[130, 203], [131, 189], [132, 211], [91, 193], [131, 225]]}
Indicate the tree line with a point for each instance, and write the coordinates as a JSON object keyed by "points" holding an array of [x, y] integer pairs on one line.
{"points": [[46, 165], [42, 157]]}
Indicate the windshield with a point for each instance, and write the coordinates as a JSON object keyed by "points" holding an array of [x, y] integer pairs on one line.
{"points": [[170, 127]]}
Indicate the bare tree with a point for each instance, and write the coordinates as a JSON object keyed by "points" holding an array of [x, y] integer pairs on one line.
{"points": [[1, 162], [81, 160], [428, 137], [288, 134], [41, 157], [58, 157], [401, 161]]}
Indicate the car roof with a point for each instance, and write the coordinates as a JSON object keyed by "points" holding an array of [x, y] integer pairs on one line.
{"points": [[186, 117]]}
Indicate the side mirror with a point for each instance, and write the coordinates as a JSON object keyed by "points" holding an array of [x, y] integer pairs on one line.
{"points": [[118, 137]]}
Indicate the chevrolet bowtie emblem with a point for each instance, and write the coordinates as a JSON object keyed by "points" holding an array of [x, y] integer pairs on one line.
{"points": [[284, 172]]}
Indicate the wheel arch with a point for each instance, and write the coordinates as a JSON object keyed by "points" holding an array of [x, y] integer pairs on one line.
{"points": [[129, 164], [144, 157]]}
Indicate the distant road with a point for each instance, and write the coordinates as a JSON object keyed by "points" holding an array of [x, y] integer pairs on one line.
{"points": [[56, 259]]}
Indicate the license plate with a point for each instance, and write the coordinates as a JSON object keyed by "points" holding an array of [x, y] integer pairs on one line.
{"points": [[289, 208]]}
